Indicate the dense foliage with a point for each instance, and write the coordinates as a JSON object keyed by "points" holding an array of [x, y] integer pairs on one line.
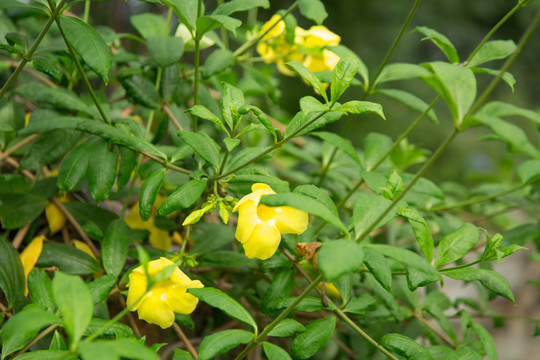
{"points": [[153, 187]]}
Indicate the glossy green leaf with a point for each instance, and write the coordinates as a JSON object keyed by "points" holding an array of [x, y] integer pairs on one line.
{"points": [[308, 76], [313, 10], [126, 166], [230, 7], [88, 44], [308, 304], [74, 166], [101, 287], [261, 116], [274, 352], [379, 267], [165, 50], [121, 348], [115, 329], [490, 279], [48, 66], [305, 203], [281, 286], [308, 104], [180, 354], [58, 97], [221, 342], [286, 328], [186, 11], [401, 71], [74, 303], [40, 289], [303, 123], [68, 259], [12, 279], [464, 353], [528, 170], [115, 247], [101, 172], [319, 195], [502, 109], [185, 196], [204, 113], [218, 299], [441, 41], [148, 24], [361, 107], [487, 341], [455, 245], [410, 100], [86, 213], [339, 257], [142, 91], [231, 100], [218, 61], [340, 143], [149, 191], [493, 50], [360, 305], [19, 210], [420, 229], [367, 209], [405, 347], [203, 145], [317, 334], [342, 76], [46, 355], [210, 22], [50, 147]]}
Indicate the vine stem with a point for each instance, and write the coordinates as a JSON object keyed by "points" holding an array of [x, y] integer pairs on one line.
{"points": [[418, 316], [248, 45], [197, 69], [17, 146], [185, 340], [280, 317], [418, 175], [28, 56]]}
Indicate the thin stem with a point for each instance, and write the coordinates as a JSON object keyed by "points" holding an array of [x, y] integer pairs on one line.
{"points": [[197, 69], [86, 14], [17, 146], [272, 148], [419, 174], [82, 73], [223, 31], [28, 56], [245, 48], [171, 116], [185, 340], [394, 46], [280, 317], [39, 337], [445, 338], [460, 266]]}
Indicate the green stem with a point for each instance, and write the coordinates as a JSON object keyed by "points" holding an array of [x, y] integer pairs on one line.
{"points": [[419, 174], [273, 147], [460, 266], [223, 31], [196, 68], [280, 317], [28, 56], [248, 45], [86, 14]]}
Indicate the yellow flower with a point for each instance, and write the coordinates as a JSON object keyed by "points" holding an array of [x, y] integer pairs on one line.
{"points": [[30, 256], [159, 238], [55, 218], [165, 297], [326, 61], [260, 227], [318, 37]]}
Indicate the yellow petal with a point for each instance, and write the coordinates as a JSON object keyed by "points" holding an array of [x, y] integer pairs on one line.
{"points": [[177, 238], [133, 219], [155, 309], [290, 220], [180, 301], [30, 256], [259, 190], [159, 238], [263, 242], [55, 218], [84, 247], [276, 30], [320, 36], [330, 59], [137, 287], [247, 220]]}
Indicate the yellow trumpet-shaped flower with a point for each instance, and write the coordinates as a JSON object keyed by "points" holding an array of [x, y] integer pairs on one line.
{"points": [[318, 37], [260, 227], [30, 256], [165, 297]]}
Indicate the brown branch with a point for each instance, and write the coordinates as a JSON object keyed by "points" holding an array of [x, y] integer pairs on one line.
{"points": [[17, 146], [172, 117], [437, 332], [130, 317], [5, 311], [39, 337], [186, 341], [17, 241]]}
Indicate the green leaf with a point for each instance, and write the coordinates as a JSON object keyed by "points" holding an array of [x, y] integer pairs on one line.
{"points": [[457, 86], [58, 97], [23, 326], [48, 66], [367, 209], [528, 170], [361, 107], [401, 71], [493, 50], [313, 10], [203, 145], [507, 77], [186, 11], [319, 195], [149, 191], [113, 350], [74, 303], [302, 123], [46, 355], [12, 278], [487, 341], [165, 50], [21, 209], [379, 267], [340, 143], [464, 353], [115, 247], [280, 286], [411, 101], [222, 342], [119, 137], [308, 104], [218, 61], [286, 328], [243, 183], [180, 354], [74, 166], [339, 257], [419, 271], [185, 196], [142, 91], [375, 146], [405, 347], [231, 143], [202, 112], [309, 77], [455, 245], [261, 116], [111, 330], [274, 352], [40, 289], [86, 213], [305, 203], [420, 229], [230, 7], [148, 24], [218, 299], [53, 123], [502, 109], [50, 147], [89, 44], [317, 334], [231, 100], [441, 41], [68, 259], [101, 170], [490, 279], [360, 305], [210, 22], [308, 304], [101, 287]]}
